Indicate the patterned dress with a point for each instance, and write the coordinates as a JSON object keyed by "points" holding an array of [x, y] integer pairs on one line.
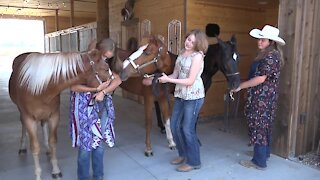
{"points": [[261, 104], [86, 129]]}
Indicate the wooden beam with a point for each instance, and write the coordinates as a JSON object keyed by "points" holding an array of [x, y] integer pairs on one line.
{"points": [[102, 19], [57, 28], [295, 134], [71, 13]]}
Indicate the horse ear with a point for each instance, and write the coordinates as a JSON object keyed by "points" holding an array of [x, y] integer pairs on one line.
{"points": [[233, 40], [221, 43]]}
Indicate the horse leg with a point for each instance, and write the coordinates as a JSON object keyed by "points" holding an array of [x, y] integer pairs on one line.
{"points": [[148, 124], [166, 115], [159, 118], [53, 126], [31, 127], [44, 126], [23, 139]]}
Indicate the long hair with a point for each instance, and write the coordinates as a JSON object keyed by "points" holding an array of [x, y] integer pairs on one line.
{"points": [[272, 47], [201, 42]]}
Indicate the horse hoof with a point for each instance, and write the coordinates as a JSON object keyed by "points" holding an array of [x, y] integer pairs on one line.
{"points": [[148, 154], [22, 151], [172, 148], [57, 175]]}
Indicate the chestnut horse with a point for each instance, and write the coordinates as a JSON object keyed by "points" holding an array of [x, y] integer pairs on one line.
{"points": [[35, 86], [133, 84], [156, 58]]}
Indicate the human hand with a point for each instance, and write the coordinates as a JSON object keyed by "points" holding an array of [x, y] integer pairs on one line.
{"points": [[136, 54], [236, 90], [99, 96], [103, 85], [163, 79], [147, 81]]}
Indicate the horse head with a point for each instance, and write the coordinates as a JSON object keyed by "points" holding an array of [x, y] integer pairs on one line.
{"points": [[222, 56], [153, 59], [96, 69], [229, 64]]}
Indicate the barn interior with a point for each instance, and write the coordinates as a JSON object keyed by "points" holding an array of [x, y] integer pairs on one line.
{"points": [[71, 25]]}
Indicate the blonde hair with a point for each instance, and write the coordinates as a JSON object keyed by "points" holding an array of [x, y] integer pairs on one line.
{"points": [[201, 42]]}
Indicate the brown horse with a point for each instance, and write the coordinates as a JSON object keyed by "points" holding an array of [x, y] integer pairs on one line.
{"points": [[35, 86], [155, 57]]}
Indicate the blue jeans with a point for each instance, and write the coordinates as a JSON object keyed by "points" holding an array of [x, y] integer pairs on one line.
{"points": [[84, 163], [183, 126], [96, 156], [261, 153]]}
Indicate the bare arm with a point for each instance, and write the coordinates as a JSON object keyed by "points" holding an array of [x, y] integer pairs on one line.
{"points": [[111, 87], [251, 83], [83, 88], [195, 68]]}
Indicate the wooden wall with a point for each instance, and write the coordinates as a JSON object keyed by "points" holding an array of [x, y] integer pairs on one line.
{"points": [[232, 19], [297, 127], [160, 13]]}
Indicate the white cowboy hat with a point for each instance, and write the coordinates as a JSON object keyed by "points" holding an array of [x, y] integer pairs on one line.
{"points": [[268, 32]]}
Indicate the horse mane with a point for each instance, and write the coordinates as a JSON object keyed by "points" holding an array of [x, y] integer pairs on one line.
{"points": [[39, 69]]}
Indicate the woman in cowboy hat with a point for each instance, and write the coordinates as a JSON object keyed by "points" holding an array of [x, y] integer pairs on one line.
{"points": [[262, 95]]}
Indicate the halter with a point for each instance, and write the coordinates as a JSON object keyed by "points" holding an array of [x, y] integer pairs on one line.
{"points": [[138, 67], [96, 72], [235, 57], [232, 74], [92, 101]]}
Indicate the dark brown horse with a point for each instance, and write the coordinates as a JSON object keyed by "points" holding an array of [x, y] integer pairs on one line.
{"points": [[222, 56], [35, 86]]}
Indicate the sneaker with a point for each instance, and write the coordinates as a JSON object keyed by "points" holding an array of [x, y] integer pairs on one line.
{"points": [[177, 161], [187, 168], [250, 164]]}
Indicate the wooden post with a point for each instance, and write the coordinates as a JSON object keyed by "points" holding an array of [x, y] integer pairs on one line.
{"points": [[297, 21], [57, 20], [102, 19], [71, 13]]}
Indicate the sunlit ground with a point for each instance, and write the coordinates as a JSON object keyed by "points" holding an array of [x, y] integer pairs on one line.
{"points": [[16, 37]]}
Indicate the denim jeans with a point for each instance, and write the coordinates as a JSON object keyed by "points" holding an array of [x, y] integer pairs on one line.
{"points": [[183, 126], [261, 153], [96, 156], [84, 163]]}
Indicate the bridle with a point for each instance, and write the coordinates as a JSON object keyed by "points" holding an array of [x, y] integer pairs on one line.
{"points": [[138, 68], [93, 66], [234, 57], [92, 63], [232, 74]]}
